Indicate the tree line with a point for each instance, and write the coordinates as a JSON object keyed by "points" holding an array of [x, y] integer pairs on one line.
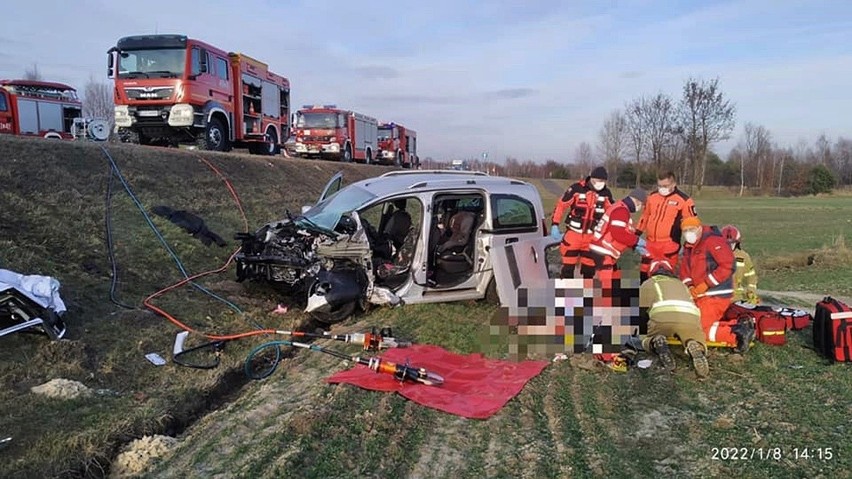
{"points": [[660, 133]]}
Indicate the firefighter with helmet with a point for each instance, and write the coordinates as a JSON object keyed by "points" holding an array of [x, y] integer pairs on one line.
{"points": [[585, 202], [707, 269], [745, 277], [672, 313]]}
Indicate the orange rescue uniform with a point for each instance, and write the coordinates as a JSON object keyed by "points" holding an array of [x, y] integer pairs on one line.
{"points": [[660, 222]]}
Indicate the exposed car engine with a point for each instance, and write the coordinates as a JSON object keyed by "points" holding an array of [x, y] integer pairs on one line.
{"points": [[279, 252]]}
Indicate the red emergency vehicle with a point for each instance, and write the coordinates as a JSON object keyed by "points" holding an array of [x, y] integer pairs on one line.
{"points": [[325, 131], [170, 89], [397, 146], [38, 108]]}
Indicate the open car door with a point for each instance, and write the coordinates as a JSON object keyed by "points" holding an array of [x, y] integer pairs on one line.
{"points": [[332, 187], [520, 265]]}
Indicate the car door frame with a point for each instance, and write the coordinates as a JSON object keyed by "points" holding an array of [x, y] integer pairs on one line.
{"points": [[520, 265]]}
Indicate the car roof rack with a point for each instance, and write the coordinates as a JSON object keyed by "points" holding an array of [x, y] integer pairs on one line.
{"points": [[438, 172]]}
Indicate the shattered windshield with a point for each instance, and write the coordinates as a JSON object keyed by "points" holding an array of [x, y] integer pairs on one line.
{"points": [[154, 63], [327, 213]]}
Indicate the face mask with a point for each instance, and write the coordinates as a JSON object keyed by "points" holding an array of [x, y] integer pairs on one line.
{"points": [[733, 246], [664, 191], [691, 237], [598, 185]]}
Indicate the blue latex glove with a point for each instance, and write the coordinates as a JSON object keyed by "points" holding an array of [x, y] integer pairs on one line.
{"points": [[640, 247], [555, 233]]}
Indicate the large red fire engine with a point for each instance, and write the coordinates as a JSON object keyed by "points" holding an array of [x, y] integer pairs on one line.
{"points": [[38, 108], [397, 146], [329, 132], [170, 89]]}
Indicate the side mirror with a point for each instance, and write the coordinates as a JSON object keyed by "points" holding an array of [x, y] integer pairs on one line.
{"points": [[111, 64], [306, 208]]}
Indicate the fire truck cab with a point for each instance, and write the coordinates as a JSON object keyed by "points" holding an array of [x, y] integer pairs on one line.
{"points": [[170, 89], [397, 146], [38, 108], [325, 131]]}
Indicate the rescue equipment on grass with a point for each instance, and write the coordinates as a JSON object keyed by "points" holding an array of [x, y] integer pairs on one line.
{"points": [[401, 372], [475, 387], [833, 330], [371, 341]]}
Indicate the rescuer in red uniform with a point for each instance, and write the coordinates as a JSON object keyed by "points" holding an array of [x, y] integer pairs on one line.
{"points": [[615, 232], [586, 202], [707, 269]]}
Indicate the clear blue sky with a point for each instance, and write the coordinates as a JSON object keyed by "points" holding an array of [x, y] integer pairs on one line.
{"points": [[530, 79]]}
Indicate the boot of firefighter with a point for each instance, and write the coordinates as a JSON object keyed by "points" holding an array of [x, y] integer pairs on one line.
{"points": [[698, 353], [744, 331], [661, 347]]}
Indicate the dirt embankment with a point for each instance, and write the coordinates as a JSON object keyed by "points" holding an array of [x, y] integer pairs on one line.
{"points": [[52, 222]]}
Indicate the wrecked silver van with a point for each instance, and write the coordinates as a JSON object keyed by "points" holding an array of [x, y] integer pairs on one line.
{"points": [[402, 237]]}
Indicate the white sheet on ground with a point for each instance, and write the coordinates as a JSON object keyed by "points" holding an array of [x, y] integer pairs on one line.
{"points": [[44, 290]]}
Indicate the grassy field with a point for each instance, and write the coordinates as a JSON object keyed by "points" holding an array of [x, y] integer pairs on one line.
{"points": [[576, 419]]}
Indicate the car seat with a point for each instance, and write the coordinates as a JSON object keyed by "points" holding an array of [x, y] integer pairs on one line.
{"points": [[397, 228], [452, 254]]}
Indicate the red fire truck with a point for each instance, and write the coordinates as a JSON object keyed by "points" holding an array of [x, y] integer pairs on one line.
{"points": [[170, 89], [38, 108], [397, 146], [325, 131]]}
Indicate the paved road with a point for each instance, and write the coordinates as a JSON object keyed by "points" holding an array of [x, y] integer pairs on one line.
{"points": [[553, 187]]}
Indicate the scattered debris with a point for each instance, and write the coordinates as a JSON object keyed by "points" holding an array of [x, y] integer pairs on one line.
{"points": [[62, 389], [281, 309], [140, 454], [560, 357], [155, 359]]}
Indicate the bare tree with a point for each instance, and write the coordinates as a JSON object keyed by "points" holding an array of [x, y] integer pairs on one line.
{"points": [[32, 73], [98, 100], [636, 133], [707, 117], [758, 149], [658, 114], [613, 138], [584, 157]]}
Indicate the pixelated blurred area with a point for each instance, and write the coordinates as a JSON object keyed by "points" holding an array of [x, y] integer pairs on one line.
{"points": [[569, 316]]}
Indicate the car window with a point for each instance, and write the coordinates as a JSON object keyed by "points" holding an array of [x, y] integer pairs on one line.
{"points": [[373, 214], [3, 106], [511, 211]]}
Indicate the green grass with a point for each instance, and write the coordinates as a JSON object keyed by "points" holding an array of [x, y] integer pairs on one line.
{"points": [[568, 421]]}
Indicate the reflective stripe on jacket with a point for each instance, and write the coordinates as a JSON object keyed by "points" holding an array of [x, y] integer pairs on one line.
{"points": [[666, 294], [584, 205], [614, 232], [709, 261], [662, 215]]}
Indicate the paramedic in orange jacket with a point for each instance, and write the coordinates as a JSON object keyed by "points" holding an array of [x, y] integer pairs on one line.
{"points": [[707, 269], [615, 232], [585, 202], [660, 222]]}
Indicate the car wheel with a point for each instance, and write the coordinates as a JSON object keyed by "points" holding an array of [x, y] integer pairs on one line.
{"points": [[336, 315]]}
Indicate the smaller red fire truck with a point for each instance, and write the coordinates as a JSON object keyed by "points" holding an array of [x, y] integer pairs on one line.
{"points": [[38, 108], [325, 131], [397, 146]]}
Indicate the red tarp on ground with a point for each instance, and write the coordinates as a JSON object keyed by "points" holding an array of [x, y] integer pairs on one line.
{"points": [[474, 387]]}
